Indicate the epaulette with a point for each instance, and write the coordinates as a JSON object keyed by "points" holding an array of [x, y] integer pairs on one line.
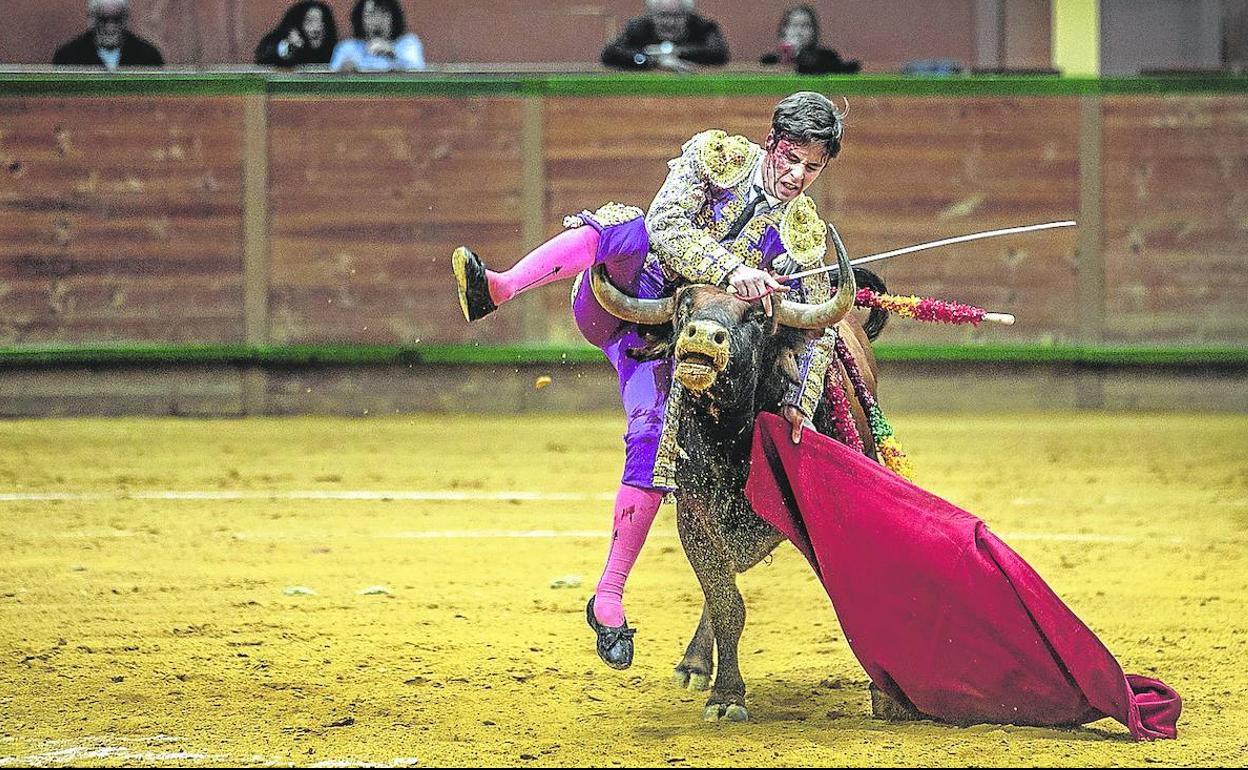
{"points": [[803, 233], [725, 160]]}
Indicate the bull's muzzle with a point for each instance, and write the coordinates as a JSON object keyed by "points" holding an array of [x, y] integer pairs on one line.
{"points": [[702, 350]]}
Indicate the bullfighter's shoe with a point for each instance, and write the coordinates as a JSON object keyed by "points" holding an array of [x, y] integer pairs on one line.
{"points": [[615, 643], [474, 286]]}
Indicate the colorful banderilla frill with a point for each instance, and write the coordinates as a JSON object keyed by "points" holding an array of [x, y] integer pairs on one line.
{"points": [[890, 452], [921, 308], [842, 420]]}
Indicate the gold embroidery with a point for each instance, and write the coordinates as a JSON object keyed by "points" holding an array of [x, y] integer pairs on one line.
{"points": [[748, 246], [616, 214], [725, 160], [668, 453], [821, 353], [803, 234]]}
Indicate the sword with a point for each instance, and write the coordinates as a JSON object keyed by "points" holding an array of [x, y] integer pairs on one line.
{"points": [[1002, 318], [929, 245]]}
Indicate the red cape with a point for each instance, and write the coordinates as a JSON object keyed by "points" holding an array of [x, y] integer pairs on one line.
{"points": [[939, 611]]}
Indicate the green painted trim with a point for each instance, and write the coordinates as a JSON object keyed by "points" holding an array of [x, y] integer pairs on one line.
{"points": [[515, 355], [1078, 355], [292, 355], [280, 84], [131, 84], [394, 86]]}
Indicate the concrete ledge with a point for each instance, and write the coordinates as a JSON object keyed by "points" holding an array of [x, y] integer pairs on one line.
{"points": [[346, 389]]}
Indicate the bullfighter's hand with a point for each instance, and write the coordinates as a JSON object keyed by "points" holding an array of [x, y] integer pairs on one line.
{"points": [[797, 421], [749, 283]]}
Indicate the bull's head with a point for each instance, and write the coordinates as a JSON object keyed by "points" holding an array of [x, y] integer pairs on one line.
{"points": [[708, 323]]}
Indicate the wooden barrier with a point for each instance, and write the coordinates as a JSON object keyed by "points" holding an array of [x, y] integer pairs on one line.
{"points": [[325, 211]]}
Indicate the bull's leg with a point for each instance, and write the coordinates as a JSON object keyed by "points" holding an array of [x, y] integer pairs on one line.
{"points": [[714, 569], [695, 669]]}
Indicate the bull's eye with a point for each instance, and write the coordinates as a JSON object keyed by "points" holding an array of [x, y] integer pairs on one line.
{"points": [[720, 338]]}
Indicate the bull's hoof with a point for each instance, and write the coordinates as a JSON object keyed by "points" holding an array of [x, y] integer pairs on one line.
{"points": [[725, 712], [888, 708], [691, 680]]}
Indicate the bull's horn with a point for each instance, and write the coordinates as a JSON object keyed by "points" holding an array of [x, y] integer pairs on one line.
{"points": [[624, 307], [825, 314]]}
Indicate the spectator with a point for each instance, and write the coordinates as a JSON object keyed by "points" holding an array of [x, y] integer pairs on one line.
{"points": [[306, 35], [798, 38], [108, 43], [381, 41], [670, 36]]}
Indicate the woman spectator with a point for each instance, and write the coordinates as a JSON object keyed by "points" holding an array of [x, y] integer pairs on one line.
{"points": [[306, 35], [798, 38], [381, 41]]}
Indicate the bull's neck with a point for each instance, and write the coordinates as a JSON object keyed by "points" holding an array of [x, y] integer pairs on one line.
{"points": [[716, 441]]}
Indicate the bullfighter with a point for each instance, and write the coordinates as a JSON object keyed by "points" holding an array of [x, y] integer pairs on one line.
{"points": [[731, 213]]}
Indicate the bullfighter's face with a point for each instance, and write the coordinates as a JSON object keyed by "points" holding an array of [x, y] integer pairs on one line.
{"points": [[789, 167]]}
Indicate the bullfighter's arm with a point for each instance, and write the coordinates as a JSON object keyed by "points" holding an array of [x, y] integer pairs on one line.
{"points": [[708, 161]]}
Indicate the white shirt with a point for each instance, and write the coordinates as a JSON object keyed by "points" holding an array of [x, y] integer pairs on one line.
{"points": [[409, 54], [110, 56], [757, 185]]}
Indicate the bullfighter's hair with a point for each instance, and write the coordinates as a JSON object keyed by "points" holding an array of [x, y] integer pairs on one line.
{"points": [[807, 117]]}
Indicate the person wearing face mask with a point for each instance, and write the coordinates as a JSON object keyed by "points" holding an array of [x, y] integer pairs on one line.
{"points": [[798, 46], [670, 37], [381, 42], [731, 213], [306, 35], [108, 43]]}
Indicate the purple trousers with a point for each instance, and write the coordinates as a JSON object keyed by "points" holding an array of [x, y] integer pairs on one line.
{"points": [[643, 385]]}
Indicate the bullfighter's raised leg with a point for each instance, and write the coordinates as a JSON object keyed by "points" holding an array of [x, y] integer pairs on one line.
{"points": [[614, 235], [481, 291]]}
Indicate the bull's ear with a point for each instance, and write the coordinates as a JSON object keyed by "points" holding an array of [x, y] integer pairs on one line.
{"points": [[787, 362], [758, 314]]}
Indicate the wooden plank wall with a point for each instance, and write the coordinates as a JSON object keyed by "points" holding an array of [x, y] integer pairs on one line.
{"points": [[367, 199], [1176, 219], [121, 219]]}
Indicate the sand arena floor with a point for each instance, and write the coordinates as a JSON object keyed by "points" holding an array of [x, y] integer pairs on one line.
{"points": [[143, 628]]}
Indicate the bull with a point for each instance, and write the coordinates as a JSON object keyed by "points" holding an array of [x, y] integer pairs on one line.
{"points": [[733, 361]]}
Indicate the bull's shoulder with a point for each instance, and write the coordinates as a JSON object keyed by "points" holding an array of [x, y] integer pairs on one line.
{"points": [[859, 346], [724, 160], [803, 233]]}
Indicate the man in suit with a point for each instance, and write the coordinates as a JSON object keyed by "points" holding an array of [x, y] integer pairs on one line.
{"points": [[108, 43], [670, 36]]}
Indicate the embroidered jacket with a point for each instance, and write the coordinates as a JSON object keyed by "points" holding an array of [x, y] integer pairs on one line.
{"points": [[707, 188]]}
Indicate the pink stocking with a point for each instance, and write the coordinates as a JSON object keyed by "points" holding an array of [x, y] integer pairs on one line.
{"points": [[563, 256], [634, 513]]}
